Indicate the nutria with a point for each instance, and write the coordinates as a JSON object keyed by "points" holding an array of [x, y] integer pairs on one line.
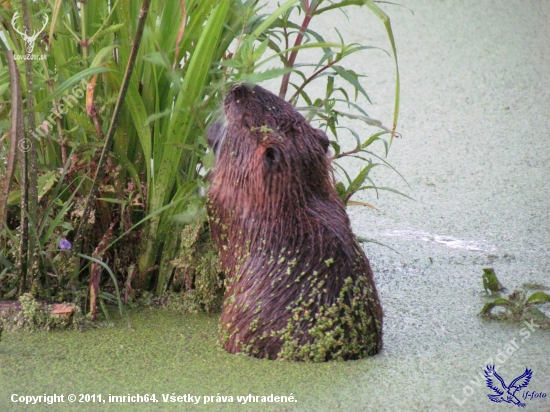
{"points": [[298, 285]]}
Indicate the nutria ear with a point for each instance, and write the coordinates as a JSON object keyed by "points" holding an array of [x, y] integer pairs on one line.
{"points": [[214, 135], [272, 158], [323, 138]]}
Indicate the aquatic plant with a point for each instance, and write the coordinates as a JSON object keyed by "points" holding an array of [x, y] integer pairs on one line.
{"points": [[107, 134], [490, 281], [517, 305]]}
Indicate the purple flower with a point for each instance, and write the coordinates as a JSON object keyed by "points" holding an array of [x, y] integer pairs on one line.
{"points": [[65, 244]]}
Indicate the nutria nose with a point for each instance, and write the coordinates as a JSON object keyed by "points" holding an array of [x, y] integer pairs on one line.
{"points": [[244, 87], [240, 90]]}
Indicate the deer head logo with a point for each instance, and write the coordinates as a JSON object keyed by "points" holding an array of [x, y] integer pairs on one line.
{"points": [[29, 40]]}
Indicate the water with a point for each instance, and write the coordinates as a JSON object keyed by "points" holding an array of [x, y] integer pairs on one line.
{"points": [[474, 118]]}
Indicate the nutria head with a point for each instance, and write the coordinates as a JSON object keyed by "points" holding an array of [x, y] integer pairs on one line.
{"points": [[273, 155]]}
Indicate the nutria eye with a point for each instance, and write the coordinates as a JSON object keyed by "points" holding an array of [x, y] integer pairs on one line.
{"points": [[323, 138], [272, 158]]}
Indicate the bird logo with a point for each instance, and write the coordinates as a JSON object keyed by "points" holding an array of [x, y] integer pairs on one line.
{"points": [[506, 393]]}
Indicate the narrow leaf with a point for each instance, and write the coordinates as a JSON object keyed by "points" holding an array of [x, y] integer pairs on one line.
{"points": [[538, 297], [71, 82]]}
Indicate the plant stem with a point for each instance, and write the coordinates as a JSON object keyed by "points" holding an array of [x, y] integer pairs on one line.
{"points": [[96, 268], [83, 41], [112, 127], [60, 131], [15, 132], [32, 168], [308, 10], [180, 33]]}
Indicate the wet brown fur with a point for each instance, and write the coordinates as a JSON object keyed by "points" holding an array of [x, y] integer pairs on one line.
{"points": [[285, 240]]}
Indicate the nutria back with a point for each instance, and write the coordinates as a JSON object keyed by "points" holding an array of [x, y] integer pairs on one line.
{"points": [[298, 285]]}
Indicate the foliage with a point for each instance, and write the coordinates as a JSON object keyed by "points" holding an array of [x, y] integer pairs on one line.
{"points": [[490, 281], [196, 270], [153, 170], [146, 228], [271, 40], [517, 305], [35, 315]]}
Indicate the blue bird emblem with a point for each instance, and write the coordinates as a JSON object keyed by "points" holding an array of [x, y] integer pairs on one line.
{"points": [[506, 393]]}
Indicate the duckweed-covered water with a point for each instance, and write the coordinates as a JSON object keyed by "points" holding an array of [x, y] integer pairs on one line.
{"points": [[475, 120]]}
